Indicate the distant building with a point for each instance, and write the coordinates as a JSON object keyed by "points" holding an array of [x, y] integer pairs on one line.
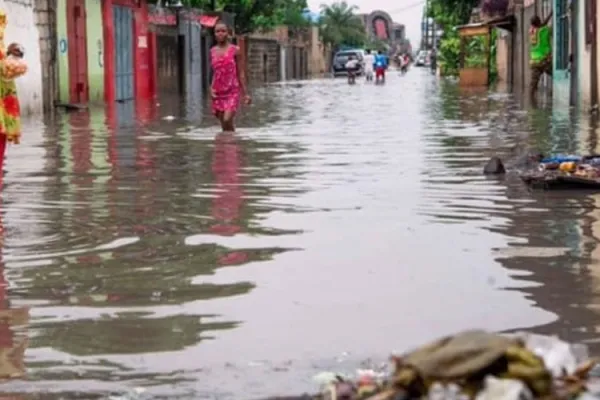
{"points": [[380, 27]]}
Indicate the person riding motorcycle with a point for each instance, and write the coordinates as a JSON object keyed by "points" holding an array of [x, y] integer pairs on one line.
{"points": [[352, 67]]}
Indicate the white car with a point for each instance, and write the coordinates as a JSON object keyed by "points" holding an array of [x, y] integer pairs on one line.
{"points": [[422, 59], [340, 59]]}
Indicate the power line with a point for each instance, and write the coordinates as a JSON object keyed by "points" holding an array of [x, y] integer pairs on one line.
{"points": [[397, 10]]}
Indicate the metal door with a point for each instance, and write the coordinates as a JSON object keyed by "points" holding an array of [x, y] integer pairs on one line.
{"points": [[77, 48], [124, 69], [562, 74]]}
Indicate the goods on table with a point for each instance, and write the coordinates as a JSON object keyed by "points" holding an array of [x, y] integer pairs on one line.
{"points": [[562, 172], [13, 68], [478, 365]]}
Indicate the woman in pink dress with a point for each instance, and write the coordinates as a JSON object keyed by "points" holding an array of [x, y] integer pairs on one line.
{"points": [[228, 82]]}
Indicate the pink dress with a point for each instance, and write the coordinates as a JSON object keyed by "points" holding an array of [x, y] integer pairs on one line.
{"points": [[226, 84]]}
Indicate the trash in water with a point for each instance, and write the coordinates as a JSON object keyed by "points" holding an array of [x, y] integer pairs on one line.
{"points": [[476, 365], [134, 394]]}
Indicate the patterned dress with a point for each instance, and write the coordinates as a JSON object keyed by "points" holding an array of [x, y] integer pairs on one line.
{"points": [[10, 111], [226, 85]]}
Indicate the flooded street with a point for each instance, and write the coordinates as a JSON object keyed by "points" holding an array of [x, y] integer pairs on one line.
{"points": [[339, 224]]}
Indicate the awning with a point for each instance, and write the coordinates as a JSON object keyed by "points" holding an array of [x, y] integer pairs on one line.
{"points": [[507, 22], [475, 29], [208, 21]]}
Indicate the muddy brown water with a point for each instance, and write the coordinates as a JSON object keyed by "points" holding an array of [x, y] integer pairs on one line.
{"points": [[339, 224]]}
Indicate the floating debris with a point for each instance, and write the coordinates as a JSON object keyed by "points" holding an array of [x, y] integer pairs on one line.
{"points": [[475, 365]]}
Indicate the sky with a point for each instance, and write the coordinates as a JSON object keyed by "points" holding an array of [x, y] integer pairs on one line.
{"points": [[407, 12]]}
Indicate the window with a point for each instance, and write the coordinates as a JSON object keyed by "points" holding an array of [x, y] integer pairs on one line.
{"points": [[562, 35]]}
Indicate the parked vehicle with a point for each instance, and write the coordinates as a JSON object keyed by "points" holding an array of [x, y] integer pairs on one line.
{"points": [[341, 58], [422, 59]]}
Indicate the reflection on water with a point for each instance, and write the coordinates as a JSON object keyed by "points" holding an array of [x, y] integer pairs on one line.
{"points": [[13, 323], [329, 231]]}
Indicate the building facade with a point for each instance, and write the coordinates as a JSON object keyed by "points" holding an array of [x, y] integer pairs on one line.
{"points": [[380, 27], [102, 51]]}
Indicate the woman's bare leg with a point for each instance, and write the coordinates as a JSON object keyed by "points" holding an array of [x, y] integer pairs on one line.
{"points": [[219, 115], [228, 117]]}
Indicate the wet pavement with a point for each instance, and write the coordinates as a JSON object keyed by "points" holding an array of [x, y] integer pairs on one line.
{"points": [[338, 225]]}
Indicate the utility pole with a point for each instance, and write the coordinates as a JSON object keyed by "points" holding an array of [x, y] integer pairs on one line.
{"points": [[427, 25]]}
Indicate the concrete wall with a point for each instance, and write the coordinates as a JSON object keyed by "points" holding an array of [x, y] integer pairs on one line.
{"points": [[22, 29], [584, 59], [517, 45], [598, 44], [503, 56], [263, 60], [317, 54], [46, 24]]}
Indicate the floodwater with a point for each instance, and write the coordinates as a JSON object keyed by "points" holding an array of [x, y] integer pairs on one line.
{"points": [[339, 224]]}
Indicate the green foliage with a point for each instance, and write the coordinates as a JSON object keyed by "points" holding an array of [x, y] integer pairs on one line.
{"points": [[264, 15], [377, 44], [448, 14], [449, 53], [340, 26], [257, 15]]}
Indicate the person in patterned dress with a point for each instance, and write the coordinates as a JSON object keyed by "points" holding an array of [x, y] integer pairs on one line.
{"points": [[10, 112], [229, 82]]}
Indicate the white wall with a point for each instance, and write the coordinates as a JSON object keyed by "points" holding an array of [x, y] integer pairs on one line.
{"points": [[22, 29], [584, 59]]}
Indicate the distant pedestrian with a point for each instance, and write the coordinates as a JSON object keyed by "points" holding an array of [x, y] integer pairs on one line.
{"points": [[369, 61], [404, 63], [229, 81], [380, 66], [540, 37], [433, 60]]}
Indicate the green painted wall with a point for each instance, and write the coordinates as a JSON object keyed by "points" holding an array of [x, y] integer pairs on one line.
{"points": [[95, 50], [63, 60]]}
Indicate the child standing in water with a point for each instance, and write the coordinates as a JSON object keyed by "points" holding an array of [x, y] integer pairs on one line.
{"points": [[228, 82]]}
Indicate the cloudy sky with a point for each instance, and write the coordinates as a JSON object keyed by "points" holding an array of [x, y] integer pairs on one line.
{"points": [[407, 12]]}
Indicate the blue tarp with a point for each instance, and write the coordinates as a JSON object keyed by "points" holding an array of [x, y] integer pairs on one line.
{"points": [[311, 16]]}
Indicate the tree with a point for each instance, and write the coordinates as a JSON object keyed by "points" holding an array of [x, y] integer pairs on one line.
{"points": [[256, 15], [448, 14], [339, 25]]}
